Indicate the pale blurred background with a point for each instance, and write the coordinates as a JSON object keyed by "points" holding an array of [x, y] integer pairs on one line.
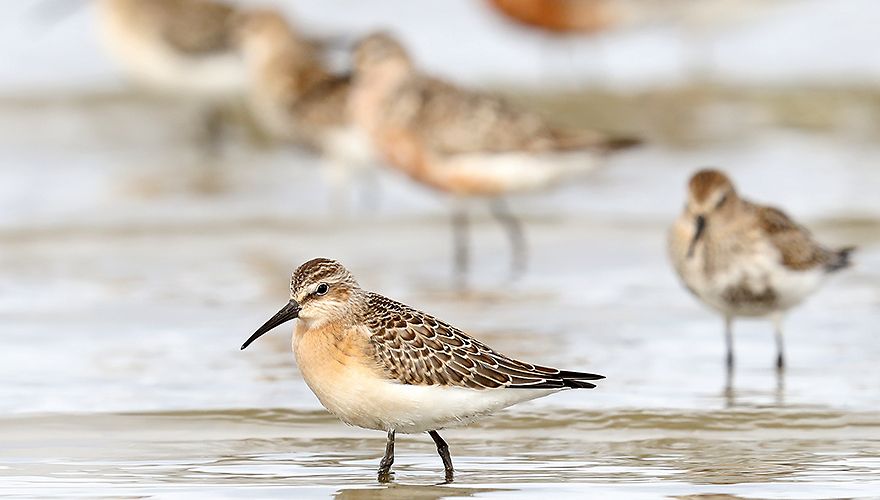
{"points": [[133, 265]]}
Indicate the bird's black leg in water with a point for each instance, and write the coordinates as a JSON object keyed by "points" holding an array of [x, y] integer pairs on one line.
{"points": [[387, 460], [443, 450]]}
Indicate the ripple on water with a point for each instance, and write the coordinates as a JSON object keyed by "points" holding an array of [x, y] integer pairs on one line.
{"points": [[259, 450]]}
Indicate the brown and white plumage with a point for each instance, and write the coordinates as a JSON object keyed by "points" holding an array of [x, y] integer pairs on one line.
{"points": [[461, 141], [282, 67], [296, 98], [416, 348], [797, 247], [379, 364], [746, 259], [175, 45]]}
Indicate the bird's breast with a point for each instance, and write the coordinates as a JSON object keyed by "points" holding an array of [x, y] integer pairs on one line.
{"points": [[337, 366]]}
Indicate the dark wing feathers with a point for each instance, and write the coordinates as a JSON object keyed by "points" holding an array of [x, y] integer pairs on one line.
{"points": [[418, 349], [795, 243]]}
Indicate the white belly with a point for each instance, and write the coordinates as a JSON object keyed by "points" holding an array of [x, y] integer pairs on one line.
{"points": [[759, 272], [355, 392], [513, 172], [349, 145]]}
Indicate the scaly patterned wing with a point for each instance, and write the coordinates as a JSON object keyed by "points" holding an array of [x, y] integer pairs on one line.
{"points": [[417, 349], [795, 243], [451, 120]]}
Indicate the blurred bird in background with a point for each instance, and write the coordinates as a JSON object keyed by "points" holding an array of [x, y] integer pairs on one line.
{"points": [[468, 144], [181, 48], [744, 259], [297, 99], [700, 20]]}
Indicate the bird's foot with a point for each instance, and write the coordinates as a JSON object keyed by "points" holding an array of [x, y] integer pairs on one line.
{"points": [[449, 477], [384, 476]]}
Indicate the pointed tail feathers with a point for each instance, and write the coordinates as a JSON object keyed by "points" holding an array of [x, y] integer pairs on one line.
{"points": [[578, 380], [840, 259], [569, 139], [621, 143]]}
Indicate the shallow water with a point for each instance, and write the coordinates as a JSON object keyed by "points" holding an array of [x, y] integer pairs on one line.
{"points": [[787, 452], [131, 271]]}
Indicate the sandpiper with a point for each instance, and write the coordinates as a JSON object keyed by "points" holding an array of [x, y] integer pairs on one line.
{"points": [[175, 45], [179, 48], [744, 259], [379, 364], [296, 99], [465, 143]]}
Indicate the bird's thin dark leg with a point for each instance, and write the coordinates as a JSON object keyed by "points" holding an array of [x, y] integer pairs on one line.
{"points": [[387, 460], [443, 450], [780, 387], [780, 347], [728, 341], [460, 244], [515, 234]]}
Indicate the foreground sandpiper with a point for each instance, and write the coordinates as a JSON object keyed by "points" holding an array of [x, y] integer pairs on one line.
{"points": [[745, 259], [379, 364], [465, 143]]}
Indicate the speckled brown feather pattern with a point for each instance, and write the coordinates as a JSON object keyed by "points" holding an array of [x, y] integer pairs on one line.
{"points": [[325, 103], [193, 27], [795, 243], [743, 296], [749, 259], [417, 349], [450, 120], [293, 94]]}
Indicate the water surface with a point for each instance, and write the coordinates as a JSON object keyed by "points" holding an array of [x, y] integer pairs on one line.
{"points": [[132, 268]]}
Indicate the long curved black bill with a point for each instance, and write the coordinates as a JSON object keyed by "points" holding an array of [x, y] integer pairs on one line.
{"points": [[698, 233], [287, 313]]}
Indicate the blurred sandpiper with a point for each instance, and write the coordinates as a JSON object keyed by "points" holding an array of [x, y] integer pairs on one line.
{"points": [[175, 45], [181, 48], [379, 364], [743, 259], [296, 99], [465, 143]]}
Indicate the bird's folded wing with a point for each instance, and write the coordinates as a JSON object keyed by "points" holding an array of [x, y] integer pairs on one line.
{"points": [[325, 101], [417, 349], [451, 120], [796, 245], [199, 28]]}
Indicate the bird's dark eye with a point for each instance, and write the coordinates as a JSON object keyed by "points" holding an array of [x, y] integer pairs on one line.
{"points": [[322, 289]]}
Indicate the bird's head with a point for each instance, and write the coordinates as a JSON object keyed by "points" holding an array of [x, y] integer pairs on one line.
{"points": [[380, 53], [321, 290], [710, 196]]}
